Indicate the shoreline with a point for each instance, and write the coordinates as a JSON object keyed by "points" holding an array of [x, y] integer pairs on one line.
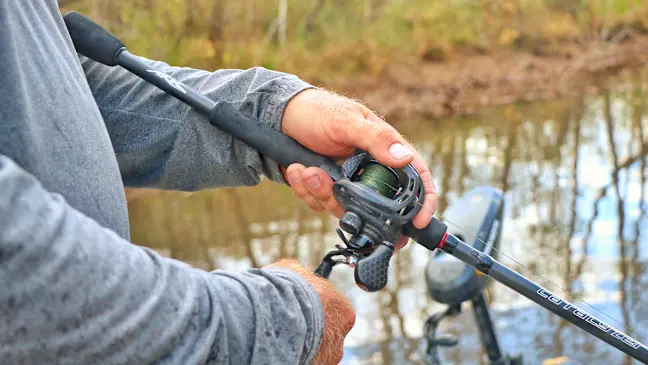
{"points": [[466, 84]]}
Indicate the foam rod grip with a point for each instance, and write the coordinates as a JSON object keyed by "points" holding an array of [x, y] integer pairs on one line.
{"points": [[371, 273], [92, 40], [267, 140], [429, 237]]}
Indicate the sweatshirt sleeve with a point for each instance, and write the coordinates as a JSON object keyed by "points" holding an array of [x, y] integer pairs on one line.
{"points": [[162, 142], [74, 292]]}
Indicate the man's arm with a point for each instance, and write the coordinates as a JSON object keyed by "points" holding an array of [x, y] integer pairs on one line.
{"points": [[74, 292], [161, 142]]}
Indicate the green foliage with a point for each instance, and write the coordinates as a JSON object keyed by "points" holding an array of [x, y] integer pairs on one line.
{"points": [[345, 37]]}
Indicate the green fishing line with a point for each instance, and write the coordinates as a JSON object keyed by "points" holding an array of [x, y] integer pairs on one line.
{"points": [[380, 179]]}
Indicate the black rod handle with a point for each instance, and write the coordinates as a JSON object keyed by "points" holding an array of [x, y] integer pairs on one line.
{"points": [[92, 40], [96, 43], [267, 140], [199, 102]]}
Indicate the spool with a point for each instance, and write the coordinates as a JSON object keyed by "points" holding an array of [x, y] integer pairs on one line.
{"points": [[380, 179]]}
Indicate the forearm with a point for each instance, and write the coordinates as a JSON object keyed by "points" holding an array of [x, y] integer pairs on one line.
{"points": [[74, 292], [161, 142]]}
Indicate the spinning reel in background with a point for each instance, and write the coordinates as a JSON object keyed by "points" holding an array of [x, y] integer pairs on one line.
{"points": [[452, 282]]}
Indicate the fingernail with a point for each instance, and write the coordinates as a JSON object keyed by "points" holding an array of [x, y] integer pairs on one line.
{"points": [[313, 182], [399, 152], [293, 178]]}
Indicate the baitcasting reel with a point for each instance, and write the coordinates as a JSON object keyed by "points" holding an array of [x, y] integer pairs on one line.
{"points": [[378, 203]]}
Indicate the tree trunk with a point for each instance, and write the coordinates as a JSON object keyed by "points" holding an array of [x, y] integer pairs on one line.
{"points": [[282, 22], [312, 16]]}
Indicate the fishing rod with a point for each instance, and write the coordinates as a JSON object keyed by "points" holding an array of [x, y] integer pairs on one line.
{"points": [[477, 213], [379, 202]]}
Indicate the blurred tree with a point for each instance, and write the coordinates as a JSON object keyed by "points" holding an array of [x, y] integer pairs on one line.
{"points": [[329, 40], [310, 19]]}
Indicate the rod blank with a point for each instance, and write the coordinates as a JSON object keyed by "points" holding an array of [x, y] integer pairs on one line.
{"points": [[520, 284]]}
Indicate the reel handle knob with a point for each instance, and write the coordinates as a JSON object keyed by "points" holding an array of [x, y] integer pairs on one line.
{"points": [[371, 272]]}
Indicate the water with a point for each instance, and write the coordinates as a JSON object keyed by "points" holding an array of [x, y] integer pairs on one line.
{"points": [[573, 215]]}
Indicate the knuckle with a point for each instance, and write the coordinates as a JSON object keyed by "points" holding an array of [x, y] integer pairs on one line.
{"points": [[337, 128], [316, 206], [301, 192], [428, 182], [426, 176], [372, 115], [357, 126], [366, 112], [350, 320], [310, 200], [384, 133]]}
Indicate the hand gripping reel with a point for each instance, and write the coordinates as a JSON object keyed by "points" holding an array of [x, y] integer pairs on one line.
{"points": [[378, 202]]}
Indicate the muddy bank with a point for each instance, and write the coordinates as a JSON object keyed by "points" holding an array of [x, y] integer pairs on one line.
{"points": [[466, 83]]}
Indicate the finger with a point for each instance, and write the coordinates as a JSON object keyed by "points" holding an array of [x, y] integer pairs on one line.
{"points": [[401, 243], [430, 202], [369, 115], [378, 138], [372, 117], [424, 216], [320, 186], [296, 181]]}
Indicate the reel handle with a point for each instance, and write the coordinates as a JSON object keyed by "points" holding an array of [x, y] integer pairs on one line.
{"points": [[371, 273]]}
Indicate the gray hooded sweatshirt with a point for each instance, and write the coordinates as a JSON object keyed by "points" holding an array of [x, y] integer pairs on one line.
{"points": [[73, 289]]}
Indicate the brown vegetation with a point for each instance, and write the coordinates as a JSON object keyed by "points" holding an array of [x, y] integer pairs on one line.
{"points": [[467, 83], [421, 57]]}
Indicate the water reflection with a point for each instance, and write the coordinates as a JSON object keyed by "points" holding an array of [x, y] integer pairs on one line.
{"points": [[574, 173]]}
